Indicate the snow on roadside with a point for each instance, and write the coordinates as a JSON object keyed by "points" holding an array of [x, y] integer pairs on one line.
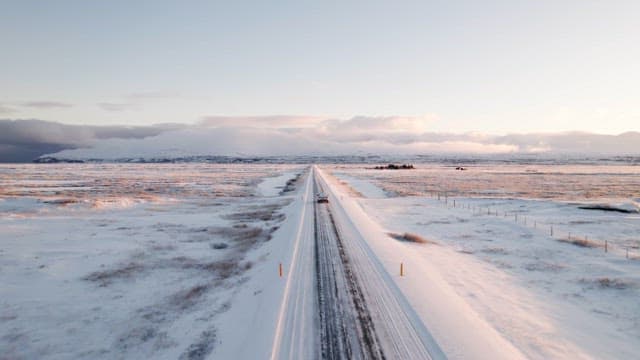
{"points": [[459, 331], [247, 329], [551, 299], [364, 187], [273, 186], [145, 281]]}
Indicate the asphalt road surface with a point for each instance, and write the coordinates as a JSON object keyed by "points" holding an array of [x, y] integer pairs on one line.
{"points": [[339, 302]]}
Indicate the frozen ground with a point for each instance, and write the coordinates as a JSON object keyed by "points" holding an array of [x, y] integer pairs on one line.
{"points": [[567, 182], [182, 261], [559, 296], [131, 261]]}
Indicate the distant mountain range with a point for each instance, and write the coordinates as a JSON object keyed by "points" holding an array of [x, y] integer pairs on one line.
{"points": [[357, 139], [365, 159]]}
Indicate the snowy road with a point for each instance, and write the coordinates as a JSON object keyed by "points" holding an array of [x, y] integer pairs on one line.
{"points": [[346, 327], [339, 301]]}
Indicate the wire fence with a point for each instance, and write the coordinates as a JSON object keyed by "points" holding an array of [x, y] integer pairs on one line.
{"points": [[554, 231]]}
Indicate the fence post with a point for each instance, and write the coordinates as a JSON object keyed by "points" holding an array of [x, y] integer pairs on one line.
{"points": [[280, 269], [401, 269]]}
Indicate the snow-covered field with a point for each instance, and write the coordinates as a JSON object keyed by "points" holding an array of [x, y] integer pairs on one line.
{"points": [[182, 261], [560, 296], [132, 261]]}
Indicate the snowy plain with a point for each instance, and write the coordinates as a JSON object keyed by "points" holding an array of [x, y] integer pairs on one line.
{"points": [[167, 261], [132, 261], [560, 296]]}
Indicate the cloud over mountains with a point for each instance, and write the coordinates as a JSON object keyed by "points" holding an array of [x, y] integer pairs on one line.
{"points": [[24, 140]]}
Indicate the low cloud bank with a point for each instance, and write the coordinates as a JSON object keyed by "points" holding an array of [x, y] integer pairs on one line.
{"points": [[25, 140]]}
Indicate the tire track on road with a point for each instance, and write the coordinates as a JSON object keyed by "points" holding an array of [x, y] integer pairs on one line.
{"points": [[339, 302], [346, 326], [399, 333]]}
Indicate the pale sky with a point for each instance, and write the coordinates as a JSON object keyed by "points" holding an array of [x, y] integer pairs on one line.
{"points": [[468, 66]]}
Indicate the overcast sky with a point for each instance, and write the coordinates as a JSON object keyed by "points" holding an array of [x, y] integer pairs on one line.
{"points": [[484, 66]]}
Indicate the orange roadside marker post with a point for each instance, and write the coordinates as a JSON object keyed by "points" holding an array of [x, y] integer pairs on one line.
{"points": [[401, 269], [280, 269]]}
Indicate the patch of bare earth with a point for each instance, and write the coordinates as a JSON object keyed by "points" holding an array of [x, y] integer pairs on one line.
{"points": [[412, 238]]}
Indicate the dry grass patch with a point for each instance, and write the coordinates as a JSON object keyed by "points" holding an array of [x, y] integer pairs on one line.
{"points": [[544, 266], [219, 245], [186, 298], [201, 348], [609, 283], [291, 185], [409, 237], [495, 250], [582, 242], [123, 271], [263, 212]]}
